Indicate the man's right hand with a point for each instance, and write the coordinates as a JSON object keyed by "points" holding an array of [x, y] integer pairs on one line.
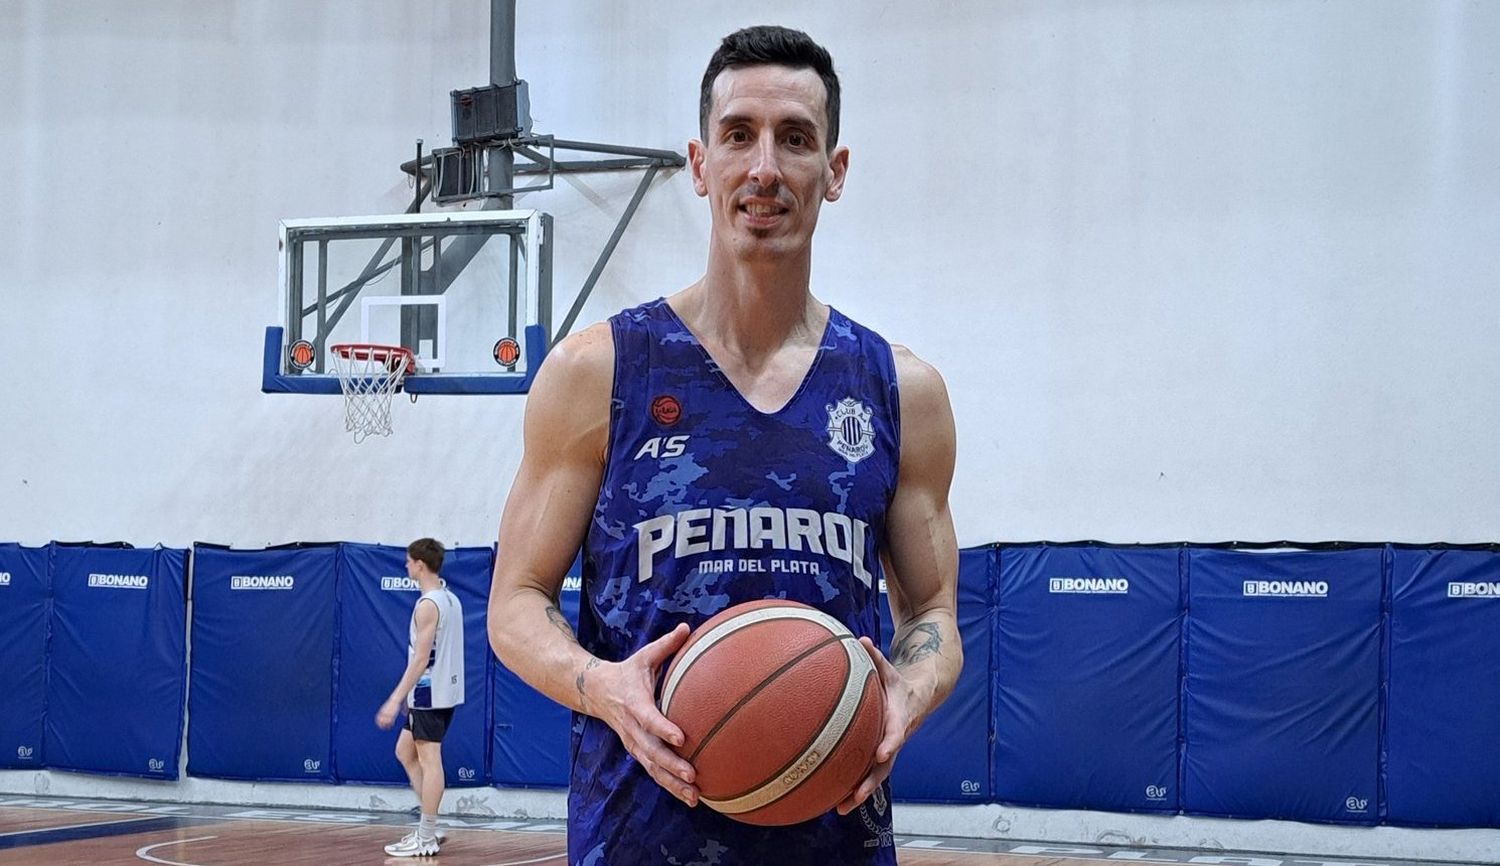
{"points": [[622, 695], [385, 719]]}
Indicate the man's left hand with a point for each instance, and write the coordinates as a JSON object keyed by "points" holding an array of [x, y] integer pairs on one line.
{"points": [[898, 717]]}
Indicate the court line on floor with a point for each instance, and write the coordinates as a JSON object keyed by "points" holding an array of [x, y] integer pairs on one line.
{"points": [[68, 826], [142, 854], [534, 860], [78, 832]]}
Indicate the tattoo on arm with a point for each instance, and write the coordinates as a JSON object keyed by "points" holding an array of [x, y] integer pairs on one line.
{"points": [[592, 663], [919, 642], [556, 617]]}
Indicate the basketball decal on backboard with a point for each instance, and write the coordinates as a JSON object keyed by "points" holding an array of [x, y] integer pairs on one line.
{"points": [[850, 433], [666, 409], [301, 354], [507, 352]]}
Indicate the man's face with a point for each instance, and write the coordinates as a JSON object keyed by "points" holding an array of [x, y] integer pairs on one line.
{"points": [[765, 167], [411, 568]]}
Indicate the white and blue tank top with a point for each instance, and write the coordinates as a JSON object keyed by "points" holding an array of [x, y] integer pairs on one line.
{"points": [[441, 685]]}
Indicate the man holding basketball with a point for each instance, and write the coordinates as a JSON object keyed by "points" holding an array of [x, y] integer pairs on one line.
{"points": [[740, 440]]}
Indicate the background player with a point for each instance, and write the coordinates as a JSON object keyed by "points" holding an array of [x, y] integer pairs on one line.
{"points": [[431, 687]]}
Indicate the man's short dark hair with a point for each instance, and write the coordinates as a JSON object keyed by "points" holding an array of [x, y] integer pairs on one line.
{"points": [[778, 46], [427, 551]]}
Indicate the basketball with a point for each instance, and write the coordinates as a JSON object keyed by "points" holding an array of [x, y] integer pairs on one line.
{"points": [[781, 709]]}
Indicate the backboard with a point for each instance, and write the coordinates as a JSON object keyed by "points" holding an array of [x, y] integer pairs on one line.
{"points": [[469, 293]]}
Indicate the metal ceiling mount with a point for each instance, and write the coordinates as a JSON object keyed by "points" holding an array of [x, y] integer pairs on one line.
{"points": [[492, 127]]}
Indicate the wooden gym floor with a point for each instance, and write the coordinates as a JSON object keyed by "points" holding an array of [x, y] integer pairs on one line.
{"points": [[62, 832]]}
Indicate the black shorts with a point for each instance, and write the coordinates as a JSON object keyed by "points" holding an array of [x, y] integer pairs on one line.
{"points": [[429, 726]]}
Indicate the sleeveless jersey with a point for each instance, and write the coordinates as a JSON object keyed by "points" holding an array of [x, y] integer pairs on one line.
{"points": [[442, 683], [707, 502]]}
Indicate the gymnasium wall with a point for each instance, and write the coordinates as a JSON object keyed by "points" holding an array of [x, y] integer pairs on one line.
{"points": [[1193, 271]]}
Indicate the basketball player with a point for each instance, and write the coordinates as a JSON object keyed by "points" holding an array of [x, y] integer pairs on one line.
{"points": [[690, 444], [431, 687]]}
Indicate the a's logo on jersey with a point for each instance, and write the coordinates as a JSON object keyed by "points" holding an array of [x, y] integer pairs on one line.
{"points": [[663, 446], [666, 409], [850, 433]]}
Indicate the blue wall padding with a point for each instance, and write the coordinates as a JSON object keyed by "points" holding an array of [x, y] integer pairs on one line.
{"points": [[948, 759], [376, 599], [1087, 659], [1282, 686], [116, 660], [23, 655], [1442, 729], [261, 698], [531, 730]]}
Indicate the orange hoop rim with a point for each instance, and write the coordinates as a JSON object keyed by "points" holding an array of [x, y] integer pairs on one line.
{"points": [[373, 352]]}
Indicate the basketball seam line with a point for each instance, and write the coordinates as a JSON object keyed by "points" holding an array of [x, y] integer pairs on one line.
{"points": [[844, 735], [698, 645], [764, 684], [759, 792]]}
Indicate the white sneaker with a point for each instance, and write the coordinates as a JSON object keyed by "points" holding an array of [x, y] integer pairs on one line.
{"points": [[412, 845]]}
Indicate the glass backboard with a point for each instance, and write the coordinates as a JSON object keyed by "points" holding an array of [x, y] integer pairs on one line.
{"points": [[469, 293]]}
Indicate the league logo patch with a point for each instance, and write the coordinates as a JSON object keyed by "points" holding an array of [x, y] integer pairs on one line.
{"points": [[666, 410], [850, 433]]}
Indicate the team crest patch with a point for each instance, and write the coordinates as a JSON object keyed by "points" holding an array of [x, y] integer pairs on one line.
{"points": [[850, 433]]}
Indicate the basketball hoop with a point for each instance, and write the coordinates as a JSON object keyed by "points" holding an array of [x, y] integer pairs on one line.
{"points": [[369, 374]]}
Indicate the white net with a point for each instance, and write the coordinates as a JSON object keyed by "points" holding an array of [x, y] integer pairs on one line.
{"points": [[369, 375]]}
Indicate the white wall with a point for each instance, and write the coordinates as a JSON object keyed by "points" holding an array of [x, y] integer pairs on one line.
{"points": [[1194, 270]]}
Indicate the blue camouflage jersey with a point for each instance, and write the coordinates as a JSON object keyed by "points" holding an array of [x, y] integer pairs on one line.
{"points": [[707, 502]]}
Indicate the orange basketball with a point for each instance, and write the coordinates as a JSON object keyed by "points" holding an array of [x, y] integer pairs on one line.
{"points": [[781, 709]]}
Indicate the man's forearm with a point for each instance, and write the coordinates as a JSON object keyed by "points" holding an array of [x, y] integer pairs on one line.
{"points": [[929, 655], [533, 638], [414, 669]]}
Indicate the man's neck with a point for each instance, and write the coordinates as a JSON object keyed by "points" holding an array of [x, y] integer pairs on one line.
{"points": [[752, 308], [429, 582]]}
